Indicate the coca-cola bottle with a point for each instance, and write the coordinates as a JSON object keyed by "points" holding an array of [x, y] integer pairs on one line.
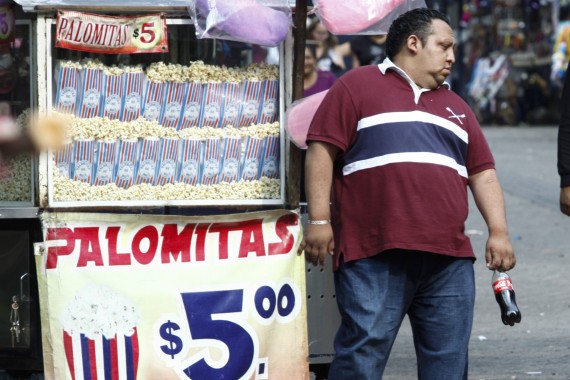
{"points": [[505, 296]]}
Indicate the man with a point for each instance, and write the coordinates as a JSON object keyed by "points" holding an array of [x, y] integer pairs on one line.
{"points": [[399, 149], [564, 147]]}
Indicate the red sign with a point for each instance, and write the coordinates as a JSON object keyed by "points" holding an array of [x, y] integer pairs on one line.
{"points": [[111, 35]]}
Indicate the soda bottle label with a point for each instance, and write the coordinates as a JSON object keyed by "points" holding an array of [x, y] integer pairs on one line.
{"points": [[502, 284]]}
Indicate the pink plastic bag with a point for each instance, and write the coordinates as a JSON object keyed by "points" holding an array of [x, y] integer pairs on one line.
{"points": [[299, 116], [362, 16], [261, 22]]}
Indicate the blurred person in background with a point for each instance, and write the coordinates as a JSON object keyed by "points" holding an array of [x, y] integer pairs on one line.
{"points": [[314, 79], [330, 55], [368, 50]]}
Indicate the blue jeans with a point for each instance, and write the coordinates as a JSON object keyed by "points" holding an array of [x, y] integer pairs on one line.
{"points": [[374, 294]]}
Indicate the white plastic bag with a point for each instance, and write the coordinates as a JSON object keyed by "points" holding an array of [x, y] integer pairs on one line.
{"points": [[260, 22], [362, 16]]}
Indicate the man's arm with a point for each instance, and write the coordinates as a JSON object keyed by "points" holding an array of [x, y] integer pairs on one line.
{"points": [[488, 194], [564, 147], [318, 238]]}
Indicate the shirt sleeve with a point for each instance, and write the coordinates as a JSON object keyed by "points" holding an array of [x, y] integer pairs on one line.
{"points": [[479, 156], [564, 134]]}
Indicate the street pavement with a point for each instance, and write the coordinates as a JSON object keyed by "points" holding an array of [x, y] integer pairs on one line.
{"points": [[538, 347]]}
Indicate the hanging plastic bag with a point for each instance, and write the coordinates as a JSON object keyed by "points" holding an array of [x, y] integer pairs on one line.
{"points": [[260, 22], [362, 16], [299, 116]]}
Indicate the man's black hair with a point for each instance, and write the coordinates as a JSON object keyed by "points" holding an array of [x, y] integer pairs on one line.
{"points": [[415, 22]]}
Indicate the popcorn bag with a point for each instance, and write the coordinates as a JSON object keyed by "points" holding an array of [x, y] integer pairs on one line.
{"points": [[251, 159], [133, 89], [211, 104], [190, 159], [230, 159], [174, 95], [167, 163], [126, 162], [112, 96], [210, 167], [192, 106], [100, 336], [249, 107], [230, 104], [83, 166], [68, 80], [64, 160], [90, 93], [149, 153], [270, 158], [152, 100], [269, 106], [105, 154]]}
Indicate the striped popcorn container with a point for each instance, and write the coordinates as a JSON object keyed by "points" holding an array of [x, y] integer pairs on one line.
{"points": [[83, 166], [132, 91], [192, 105], [64, 160], [105, 153], [249, 108], [174, 95], [211, 104], [152, 100], [230, 159], [189, 163], [168, 160], [251, 159], [112, 96], [230, 104], [116, 358], [90, 93], [268, 107], [68, 80], [210, 167], [127, 153], [270, 158], [149, 153]]}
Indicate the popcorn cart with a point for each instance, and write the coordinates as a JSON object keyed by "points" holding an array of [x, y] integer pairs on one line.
{"points": [[160, 123]]}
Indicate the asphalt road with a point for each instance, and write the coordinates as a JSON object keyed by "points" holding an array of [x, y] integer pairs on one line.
{"points": [[538, 347]]}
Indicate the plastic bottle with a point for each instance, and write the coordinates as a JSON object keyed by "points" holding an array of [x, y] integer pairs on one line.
{"points": [[505, 296]]}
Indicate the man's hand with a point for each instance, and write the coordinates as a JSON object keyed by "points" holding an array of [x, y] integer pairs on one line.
{"points": [[565, 200], [317, 242], [499, 253]]}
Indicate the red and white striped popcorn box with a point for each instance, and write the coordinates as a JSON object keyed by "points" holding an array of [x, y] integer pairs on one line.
{"points": [[231, 99], [133, 89], [152, 100], [149, 153], [112, 96], [68, 80], [105, 159], [269, 102], [116, 358], [64, 160], [167, 163], [251, 159], [174, 95], [270, 158], [230, 159], [83, 165], [90, 93], [191, 151], [127, 156], [249, 109], [210, 167], [192, 106], [211, 105]]}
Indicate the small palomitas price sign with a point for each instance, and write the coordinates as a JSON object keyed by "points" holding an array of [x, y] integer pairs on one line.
{"points": [[112, 35]]}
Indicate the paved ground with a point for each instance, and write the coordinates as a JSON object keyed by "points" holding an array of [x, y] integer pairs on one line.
{"points": [[539, 347]]}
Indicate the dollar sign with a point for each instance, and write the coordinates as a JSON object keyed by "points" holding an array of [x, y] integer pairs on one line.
{"points": [[174, 345], [136, 33]]}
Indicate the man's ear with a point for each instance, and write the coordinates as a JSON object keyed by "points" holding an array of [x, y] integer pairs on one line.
{"points": [[413, 43]]}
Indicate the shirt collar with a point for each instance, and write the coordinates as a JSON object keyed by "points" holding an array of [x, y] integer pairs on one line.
{"points": [[388, 64]]}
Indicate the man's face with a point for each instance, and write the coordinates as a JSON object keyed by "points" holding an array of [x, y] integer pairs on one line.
{"points": [[435, 58]]}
